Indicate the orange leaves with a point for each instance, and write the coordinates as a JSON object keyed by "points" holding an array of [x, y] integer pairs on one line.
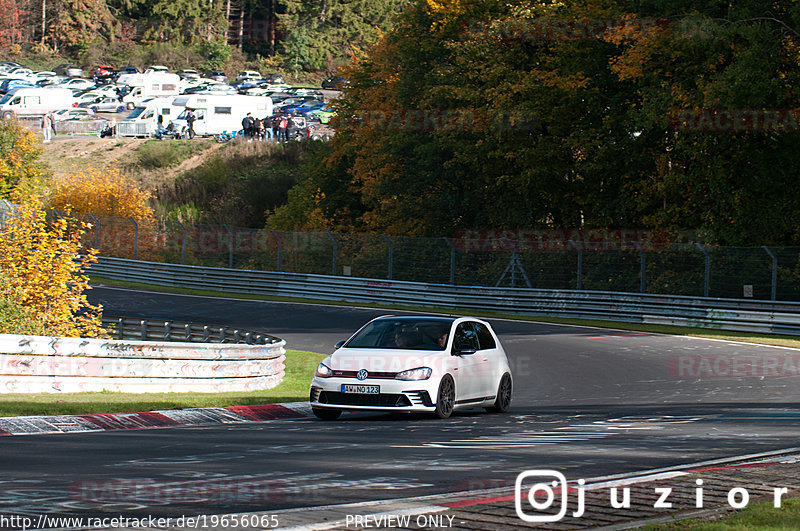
{"points": [[101, 192], [43, 268]]}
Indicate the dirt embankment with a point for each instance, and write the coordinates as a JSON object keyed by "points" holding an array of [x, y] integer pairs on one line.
{"points": [[66, 155]]}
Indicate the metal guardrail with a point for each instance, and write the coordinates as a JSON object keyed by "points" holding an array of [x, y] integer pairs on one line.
{"points": [[702, 312], [155, 330]]}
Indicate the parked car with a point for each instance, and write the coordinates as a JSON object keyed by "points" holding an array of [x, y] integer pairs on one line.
{"points": [[431, 364], [103, 73], [304, 107], [335, 83], [188, 74], [248, 75], [20, 72], [291, 101], [8, 85], [69, 114], [105, 105], [69, 70], [323, 114], [6, 66], [219, 88], [218, 75], [276, 79], [77, 83], [305, 91], [157, 68]]}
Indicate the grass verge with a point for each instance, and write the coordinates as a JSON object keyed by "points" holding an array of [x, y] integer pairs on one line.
{"points": [[758, 516], [299, 371], [763, 339]]}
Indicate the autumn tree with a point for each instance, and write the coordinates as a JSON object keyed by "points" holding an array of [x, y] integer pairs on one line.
{"points": [[43, 267], [20, 167], [104, 192]]}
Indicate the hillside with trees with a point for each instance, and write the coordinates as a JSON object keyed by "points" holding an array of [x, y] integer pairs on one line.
{"points": [[469, 115], [299, 36]]}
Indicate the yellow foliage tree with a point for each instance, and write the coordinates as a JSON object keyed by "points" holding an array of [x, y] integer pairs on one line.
{"points": [[20, 170], [43, 268], [102, 193]]}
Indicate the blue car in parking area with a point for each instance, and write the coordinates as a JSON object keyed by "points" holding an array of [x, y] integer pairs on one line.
{"points": [[304, 107], [10, 84]]}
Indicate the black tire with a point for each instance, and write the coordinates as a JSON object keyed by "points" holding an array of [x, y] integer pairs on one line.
{"points": [[446, 399], [130, 105], [326, 414], [503, 399], [8, 115]]}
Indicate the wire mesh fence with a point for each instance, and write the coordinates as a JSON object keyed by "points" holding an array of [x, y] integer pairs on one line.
{"points": [[690, 269]]}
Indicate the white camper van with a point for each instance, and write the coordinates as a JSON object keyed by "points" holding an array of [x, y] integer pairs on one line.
{"points": [[215, 113], [150, 85], [34, 101], [143, 120]]}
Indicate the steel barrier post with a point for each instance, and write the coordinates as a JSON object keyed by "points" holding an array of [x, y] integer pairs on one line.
{"points": [[774, 290], [391, 254], [642, 268], [143, 329], [452, 260], [183, 242], [707, 280], [278, 237], [135, 238], [580, 264], [230, 246], [335, 251]]}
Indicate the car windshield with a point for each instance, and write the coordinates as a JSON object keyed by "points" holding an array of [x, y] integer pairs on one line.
{"points": [[407, 333]]}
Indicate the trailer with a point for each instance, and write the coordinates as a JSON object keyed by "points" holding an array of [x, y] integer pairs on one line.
{"points": [[219, 113], [143, 120], [138, 87]]}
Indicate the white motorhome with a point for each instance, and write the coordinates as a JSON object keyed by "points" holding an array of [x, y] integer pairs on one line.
{"points": [[215, 114], [143, 120], [148, 85], [34, 101]]}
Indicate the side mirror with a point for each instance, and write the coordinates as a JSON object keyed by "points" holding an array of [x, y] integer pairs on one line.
{"points": [[338, 344], [463, 351]]}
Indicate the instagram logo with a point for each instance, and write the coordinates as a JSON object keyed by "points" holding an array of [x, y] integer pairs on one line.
{"points": [[543, 490]]}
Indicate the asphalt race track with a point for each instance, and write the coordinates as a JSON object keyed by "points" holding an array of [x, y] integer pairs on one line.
{"points": [[587, 402]]}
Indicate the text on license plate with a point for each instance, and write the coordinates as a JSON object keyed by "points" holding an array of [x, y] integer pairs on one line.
{"points": [[361, 389]]}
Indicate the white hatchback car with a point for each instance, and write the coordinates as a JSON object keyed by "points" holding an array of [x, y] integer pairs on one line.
{"points": [[417, 364]]}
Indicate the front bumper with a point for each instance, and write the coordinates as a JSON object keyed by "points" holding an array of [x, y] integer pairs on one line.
{"points": [[395, 395]]}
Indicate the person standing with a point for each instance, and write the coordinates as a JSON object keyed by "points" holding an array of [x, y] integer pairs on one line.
{"points": [[47, 127], [247, 127], [190, 118], [283, 128], [52, 122]]}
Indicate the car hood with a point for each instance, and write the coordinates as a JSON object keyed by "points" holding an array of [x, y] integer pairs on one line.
{"points": [[388, 360]]}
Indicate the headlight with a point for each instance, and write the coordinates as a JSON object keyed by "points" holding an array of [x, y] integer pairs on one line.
{"points": [[323, 371], [423, 373]]}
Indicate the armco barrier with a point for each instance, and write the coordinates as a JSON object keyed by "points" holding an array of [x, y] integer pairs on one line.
{"points": [[38, 364], [702, 312]]}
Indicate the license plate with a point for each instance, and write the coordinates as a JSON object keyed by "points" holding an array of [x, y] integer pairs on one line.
{"points": [[361, 389]]}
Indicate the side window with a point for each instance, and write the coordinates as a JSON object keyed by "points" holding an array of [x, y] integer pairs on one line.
{"points": [[484, 337], [465, 338]]}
